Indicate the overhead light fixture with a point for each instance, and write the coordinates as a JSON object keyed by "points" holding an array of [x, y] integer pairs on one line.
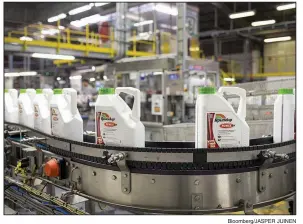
{"points": [[16, 74], [56, 18], [285, 7], [26, 38], [50, 32], [166, 9], [92, 79], [27, 73], [263, 23], [61, 27], [58, 78], [81, 9], [229, 79], [241, 14], [144, 23], [53, 56], [76, 77], [89, 20], [101, 4], [78, 23], [93, 68], [168, 26], [92, 19], [11, 74], [276, 39], [105, 77]]}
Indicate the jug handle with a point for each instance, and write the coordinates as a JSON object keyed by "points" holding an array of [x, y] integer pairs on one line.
{"points": [[137, 99], [73, 99], [31, 93], [48, 94], [240, 92]]}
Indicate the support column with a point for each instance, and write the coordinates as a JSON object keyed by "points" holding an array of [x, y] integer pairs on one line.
{"points": [[216, 48], [11, 62], [247, 60], [120, 29], [182, 48]]}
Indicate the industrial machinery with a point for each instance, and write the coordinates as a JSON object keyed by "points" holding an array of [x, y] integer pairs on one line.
{"points": [[161, 178], [159, 75]]}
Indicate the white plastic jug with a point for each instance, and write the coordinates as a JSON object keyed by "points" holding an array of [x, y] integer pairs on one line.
{"points": [[26, 107], [11, 106], [116, 123], [42, 118], [284, 116], [217, 124], [66, 121]]}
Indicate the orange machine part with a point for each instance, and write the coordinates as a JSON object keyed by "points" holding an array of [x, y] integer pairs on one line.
{"points": [[51, 168]]}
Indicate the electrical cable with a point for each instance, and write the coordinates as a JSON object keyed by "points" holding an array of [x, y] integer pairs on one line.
{"points": [[28, 195]]}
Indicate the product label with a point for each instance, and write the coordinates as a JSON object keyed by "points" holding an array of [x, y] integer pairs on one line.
{"points": [[20, 108], [107, 128], [37, 117], [223, 130], [56, 121]]}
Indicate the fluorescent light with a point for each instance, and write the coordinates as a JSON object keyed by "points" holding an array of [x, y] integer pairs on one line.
{"points": [[93, 68], [229, 79], [168, 26], [92, 79], [56, 18], [270, 40], [11, 74], [285, 7], [78, 23], [92, 19], [101, 4], [16, 74], [241, 14], [53, 56], [76, 77], [50, 32], [166, 9], [26, 38], [144, 23], [89, 20], [58, 78], [264, 22], [61, 27], [157, 73], [27, 73], [81, 9]]}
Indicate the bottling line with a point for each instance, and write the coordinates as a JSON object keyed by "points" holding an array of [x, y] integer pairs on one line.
{"points": [[60, 176]]}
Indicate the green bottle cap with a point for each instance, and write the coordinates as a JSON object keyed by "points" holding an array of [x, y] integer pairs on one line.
{"points": [[103, 91], [22, 90], [285, 91], [207, 90], [57, 91], [38, 91], [6, 90]]}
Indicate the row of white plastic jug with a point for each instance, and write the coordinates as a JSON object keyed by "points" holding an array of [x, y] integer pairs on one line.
{"points": [[52, 112], [218, 125]]}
